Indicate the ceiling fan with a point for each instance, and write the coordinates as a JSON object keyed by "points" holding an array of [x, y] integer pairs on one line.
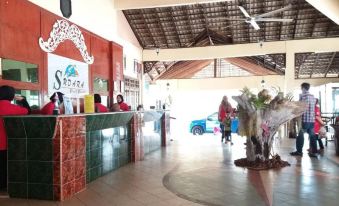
{"points": [[261, 18]]}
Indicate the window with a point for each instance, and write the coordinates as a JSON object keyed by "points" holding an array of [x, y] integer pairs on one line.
{"points": [[124, 62], [19, 71], [100, 85], [132, 92], [32, 97]]}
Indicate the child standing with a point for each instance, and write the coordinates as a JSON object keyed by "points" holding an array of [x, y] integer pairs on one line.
{"points": [[227, 128]]}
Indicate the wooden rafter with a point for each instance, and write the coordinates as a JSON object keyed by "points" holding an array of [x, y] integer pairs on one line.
{"points": [[188, 68], [161, 27], [249, 66], [167, 66], [147, 27], [148, 66], [189, 22], [314, 23], [296, 19], [314, 64], [175, 68], [175, 26], [225, 6], [330, 63], [265, 64], [193, 70]]}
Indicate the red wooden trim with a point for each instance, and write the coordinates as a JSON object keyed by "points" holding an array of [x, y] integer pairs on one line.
{"points": [[20, 85]]}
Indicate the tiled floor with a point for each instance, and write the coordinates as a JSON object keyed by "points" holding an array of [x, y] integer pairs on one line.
{"points": [[199, 170]]}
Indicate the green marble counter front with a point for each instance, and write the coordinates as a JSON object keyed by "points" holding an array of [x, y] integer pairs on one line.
{"points": [[108, 143], [54, 157]]}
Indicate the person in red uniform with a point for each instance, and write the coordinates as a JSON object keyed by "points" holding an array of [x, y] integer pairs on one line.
{"points": [[49, 107], [7, 94], [122, 104], [97, 104]]}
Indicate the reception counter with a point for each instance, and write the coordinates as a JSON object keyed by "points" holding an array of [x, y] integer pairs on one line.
{"points": [[54, 157]]}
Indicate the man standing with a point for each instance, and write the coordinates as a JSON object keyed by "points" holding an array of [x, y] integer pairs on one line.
{"points": [[308, 119]]}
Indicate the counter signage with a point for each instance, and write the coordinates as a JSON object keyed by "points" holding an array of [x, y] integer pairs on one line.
{"points": [[67, 76]]}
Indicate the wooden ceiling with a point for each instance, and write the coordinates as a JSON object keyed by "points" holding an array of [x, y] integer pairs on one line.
{"points": [[317, 65], [209, 24]]}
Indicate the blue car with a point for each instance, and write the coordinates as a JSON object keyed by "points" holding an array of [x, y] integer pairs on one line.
{"points": [[208, 124]]}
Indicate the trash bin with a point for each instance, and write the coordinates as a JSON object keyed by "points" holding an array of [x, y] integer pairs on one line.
{"points": [[234, 125]]}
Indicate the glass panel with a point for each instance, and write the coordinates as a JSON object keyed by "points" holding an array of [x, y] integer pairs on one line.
{"points": [[100, 85], [32, 97], [104, 100], [336, 100], [19, 71]]}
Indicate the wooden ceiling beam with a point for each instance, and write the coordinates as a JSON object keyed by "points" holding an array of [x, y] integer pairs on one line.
{"points": [[161, 27], [314, 64], [137, 4], [261, 62], [174, 69], [296, 18], [195, 70], [164, 71], [189, 22], [147, 28], [175, 26], [194, 66], [227, 22], [301, 63], [330, 63], [249, 66], [177, 69], [202, 35]]}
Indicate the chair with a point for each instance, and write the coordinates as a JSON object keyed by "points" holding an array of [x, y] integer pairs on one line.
{"points": [[328, 119]]}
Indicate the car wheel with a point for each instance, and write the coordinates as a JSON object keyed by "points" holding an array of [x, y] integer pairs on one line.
{"points": [[197, 130]]}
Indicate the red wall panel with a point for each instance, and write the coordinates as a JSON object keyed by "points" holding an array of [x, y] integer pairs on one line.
{"points": [[22, 23], [19, 33], [101, 52], [20, 29], [117, 60]]}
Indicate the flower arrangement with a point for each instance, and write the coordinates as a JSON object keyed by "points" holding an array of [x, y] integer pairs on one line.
{"points": [[260, 117]]}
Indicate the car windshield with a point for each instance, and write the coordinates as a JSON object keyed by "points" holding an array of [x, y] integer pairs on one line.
{"points": [[213, 117]]}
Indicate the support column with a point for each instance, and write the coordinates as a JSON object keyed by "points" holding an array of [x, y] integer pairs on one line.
{"points": [[289, 71]]}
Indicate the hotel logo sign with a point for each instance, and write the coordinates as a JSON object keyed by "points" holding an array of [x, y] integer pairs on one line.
{"points": [[67, 76]]}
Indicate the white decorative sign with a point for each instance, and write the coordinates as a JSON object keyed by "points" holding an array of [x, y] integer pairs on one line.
{"points": [[62, 31], [67, 76]]}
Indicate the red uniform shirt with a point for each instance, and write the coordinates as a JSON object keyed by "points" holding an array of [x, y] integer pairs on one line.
{"points": [[123, 106], [48, 109], [100, 107], [8, 109], [316, 123], [222, 112]]}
